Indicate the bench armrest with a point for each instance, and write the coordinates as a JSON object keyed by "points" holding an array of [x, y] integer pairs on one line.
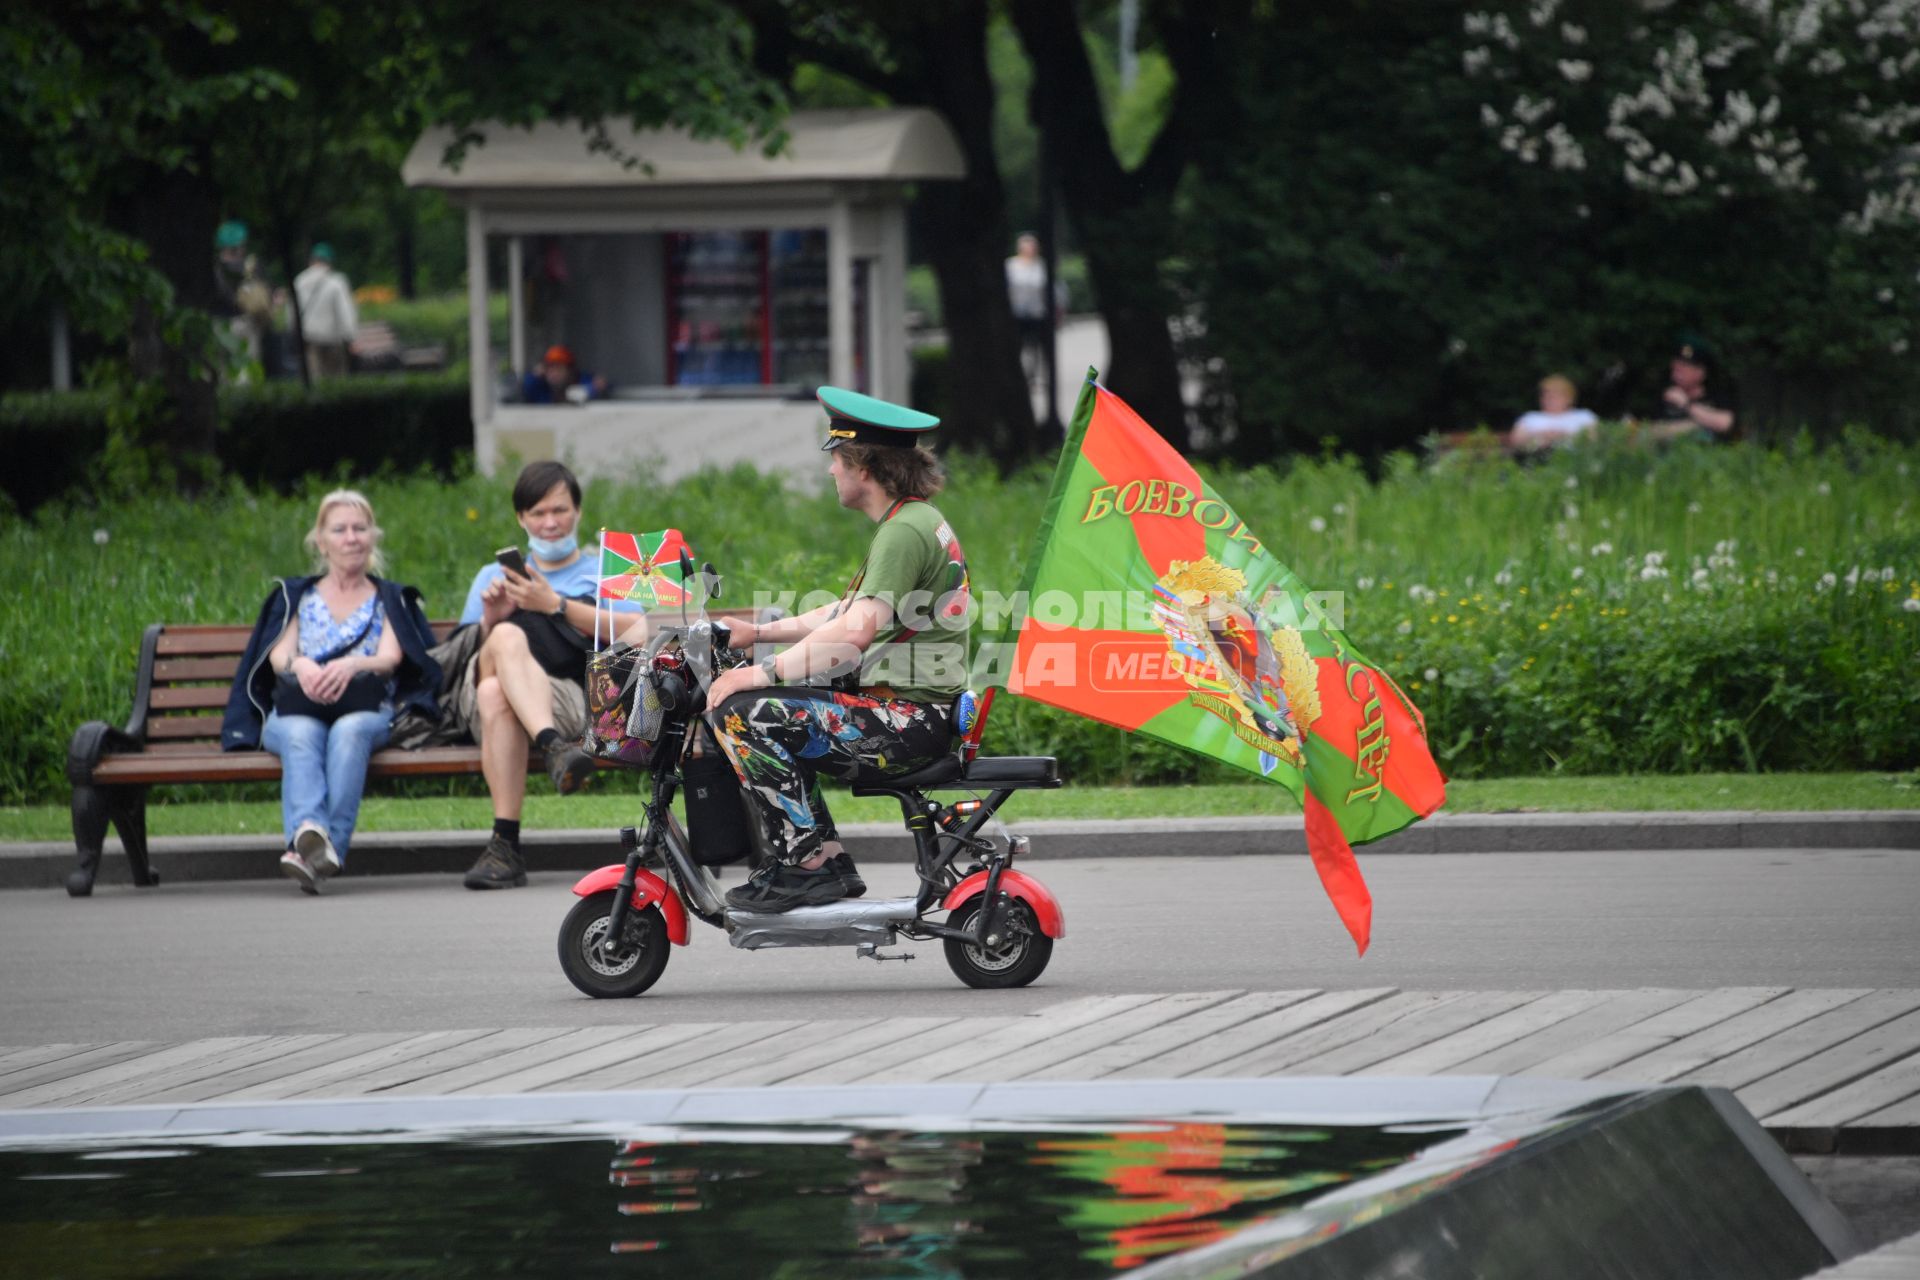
{"points": [[92, 740], [96, 738]]}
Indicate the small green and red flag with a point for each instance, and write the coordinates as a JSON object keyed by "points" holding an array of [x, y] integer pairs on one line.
{"points": [[1150, 605], [642, 567]]}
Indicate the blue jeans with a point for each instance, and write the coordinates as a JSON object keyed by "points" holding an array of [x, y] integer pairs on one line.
{"points": [[323, 769]]}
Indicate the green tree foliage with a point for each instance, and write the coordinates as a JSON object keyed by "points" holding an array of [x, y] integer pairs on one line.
{"points": [[1430, 205], [131, 126]]}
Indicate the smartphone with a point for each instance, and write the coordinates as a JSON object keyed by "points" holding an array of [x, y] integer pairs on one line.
{"points": [[510, 559]]}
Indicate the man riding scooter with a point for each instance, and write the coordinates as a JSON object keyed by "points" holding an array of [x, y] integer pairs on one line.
{"points": [[865, 689]]}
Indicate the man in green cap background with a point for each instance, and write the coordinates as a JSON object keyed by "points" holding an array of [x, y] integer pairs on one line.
{"points": [[328, 320], [245, 301], [865, 689]]}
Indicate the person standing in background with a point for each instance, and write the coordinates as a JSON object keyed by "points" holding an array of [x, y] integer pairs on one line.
{"points": [[328, 320], [1033, 317], [244, 299]]}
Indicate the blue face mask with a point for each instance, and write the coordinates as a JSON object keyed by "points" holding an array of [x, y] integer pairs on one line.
{"points": [[551, 549]]}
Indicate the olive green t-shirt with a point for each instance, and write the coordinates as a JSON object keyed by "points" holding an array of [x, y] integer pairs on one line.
{"points": [[916, 566]]}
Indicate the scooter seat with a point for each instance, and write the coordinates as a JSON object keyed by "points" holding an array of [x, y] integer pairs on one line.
{"points": [[998, 770], [988, 772], [943, 770]]}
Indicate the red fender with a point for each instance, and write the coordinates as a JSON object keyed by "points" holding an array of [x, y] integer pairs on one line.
{"points": [[1046, 907], [648, 889]]}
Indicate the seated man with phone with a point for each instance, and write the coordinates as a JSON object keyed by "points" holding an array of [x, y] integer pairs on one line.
{"points": [[527, 682]]}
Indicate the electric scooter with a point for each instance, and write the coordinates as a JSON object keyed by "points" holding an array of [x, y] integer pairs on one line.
{"points": [[997, 924]]}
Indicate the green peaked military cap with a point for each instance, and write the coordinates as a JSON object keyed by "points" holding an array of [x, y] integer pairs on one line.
{"points": [[867, 420]]}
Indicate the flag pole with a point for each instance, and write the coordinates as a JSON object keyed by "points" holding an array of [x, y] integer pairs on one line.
{"points": [[599, 579]]}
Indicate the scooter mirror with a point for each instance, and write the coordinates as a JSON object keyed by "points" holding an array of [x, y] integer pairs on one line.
{"points": [[712, 579]]}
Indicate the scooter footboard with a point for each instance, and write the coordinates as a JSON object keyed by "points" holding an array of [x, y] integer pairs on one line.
{"points": [[648, 890], [1015, 884]]}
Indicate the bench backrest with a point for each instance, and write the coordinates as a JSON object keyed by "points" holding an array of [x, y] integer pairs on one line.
{"points": [[186, 672], [184, 677]]}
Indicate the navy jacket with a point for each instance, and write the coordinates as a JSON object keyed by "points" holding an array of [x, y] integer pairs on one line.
{"points": [[416, 681]]}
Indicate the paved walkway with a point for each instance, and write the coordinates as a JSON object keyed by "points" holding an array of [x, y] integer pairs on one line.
{"points": [[1824, 1066], [1897, 1261], [44, 864]]}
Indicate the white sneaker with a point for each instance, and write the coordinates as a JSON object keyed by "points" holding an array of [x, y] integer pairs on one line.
{"points": [[311, 842], [295, 868]]}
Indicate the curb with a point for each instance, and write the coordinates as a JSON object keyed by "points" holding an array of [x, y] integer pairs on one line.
{"points": [[45, 864]]}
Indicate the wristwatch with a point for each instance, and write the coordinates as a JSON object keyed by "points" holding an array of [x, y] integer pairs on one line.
{"points": [[766, 665], [559, 610]]}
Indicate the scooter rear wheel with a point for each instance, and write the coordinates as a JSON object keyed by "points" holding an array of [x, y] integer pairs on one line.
{"points": [[1023, 951], [627, 972]]}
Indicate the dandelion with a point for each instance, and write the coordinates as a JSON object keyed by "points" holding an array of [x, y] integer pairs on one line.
{"points": [[1823, 488], [1572, 512], [1649, 572], [1543, 626], [1502, 579], [1405, 627], [1365, 584], [1694, 508], [1573, 482], [1910, 605], [1799, 552], [1700, 577], [1827, 581], [1339, 508], [101, 537], [1601, 549], [1579, 571], [473, 513], [1318, 524], [1433, 673]]}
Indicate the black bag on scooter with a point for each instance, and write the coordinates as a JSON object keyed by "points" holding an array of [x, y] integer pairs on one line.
{"points": [[717, 821]]}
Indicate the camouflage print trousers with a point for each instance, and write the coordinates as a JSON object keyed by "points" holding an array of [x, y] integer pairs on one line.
{"points": [[780, 739]]}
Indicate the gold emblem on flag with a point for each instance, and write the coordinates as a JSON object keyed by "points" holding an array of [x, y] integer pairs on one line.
{"points": [[1257, 677]]}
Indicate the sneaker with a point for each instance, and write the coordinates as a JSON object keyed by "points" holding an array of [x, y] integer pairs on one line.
{"points": [[499, 867], [779, 887], [312, 843], [295, 868], [842, 864], [568, 766]]}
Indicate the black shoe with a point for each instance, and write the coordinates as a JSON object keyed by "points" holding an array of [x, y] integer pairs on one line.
{"points": [[779, 887], [499, 867], [843, 863], [567, 765]]}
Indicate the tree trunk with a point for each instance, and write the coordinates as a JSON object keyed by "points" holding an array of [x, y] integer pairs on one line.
{"points": [[967, 239], [1123, 221], [401, 214], [174, 214]]}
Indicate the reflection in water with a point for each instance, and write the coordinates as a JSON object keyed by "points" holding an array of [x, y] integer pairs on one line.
{"points": [[795, 1203]]}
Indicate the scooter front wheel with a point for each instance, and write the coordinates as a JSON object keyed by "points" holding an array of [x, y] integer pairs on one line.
{"points": [[609, 973], [1014, 961]]}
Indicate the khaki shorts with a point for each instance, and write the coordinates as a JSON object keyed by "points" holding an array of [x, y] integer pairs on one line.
{"points": [[569, 704]]}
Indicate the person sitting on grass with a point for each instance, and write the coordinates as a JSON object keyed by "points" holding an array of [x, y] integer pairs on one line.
{"points": [[1697, 404], [1555, 422]]}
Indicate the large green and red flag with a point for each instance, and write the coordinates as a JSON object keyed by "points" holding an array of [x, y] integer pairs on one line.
{"points": [[1149, 604], [642, 567]]}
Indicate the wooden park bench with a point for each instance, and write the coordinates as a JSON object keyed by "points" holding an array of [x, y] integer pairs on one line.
{"points": [[377, 346], [179, 699]]}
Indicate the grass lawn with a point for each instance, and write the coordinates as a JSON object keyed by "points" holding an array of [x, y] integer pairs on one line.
{"points": [[1777, 792]]}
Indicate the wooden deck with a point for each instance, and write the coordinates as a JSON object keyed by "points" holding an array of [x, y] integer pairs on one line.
{"points": [[1811, 1062]]}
